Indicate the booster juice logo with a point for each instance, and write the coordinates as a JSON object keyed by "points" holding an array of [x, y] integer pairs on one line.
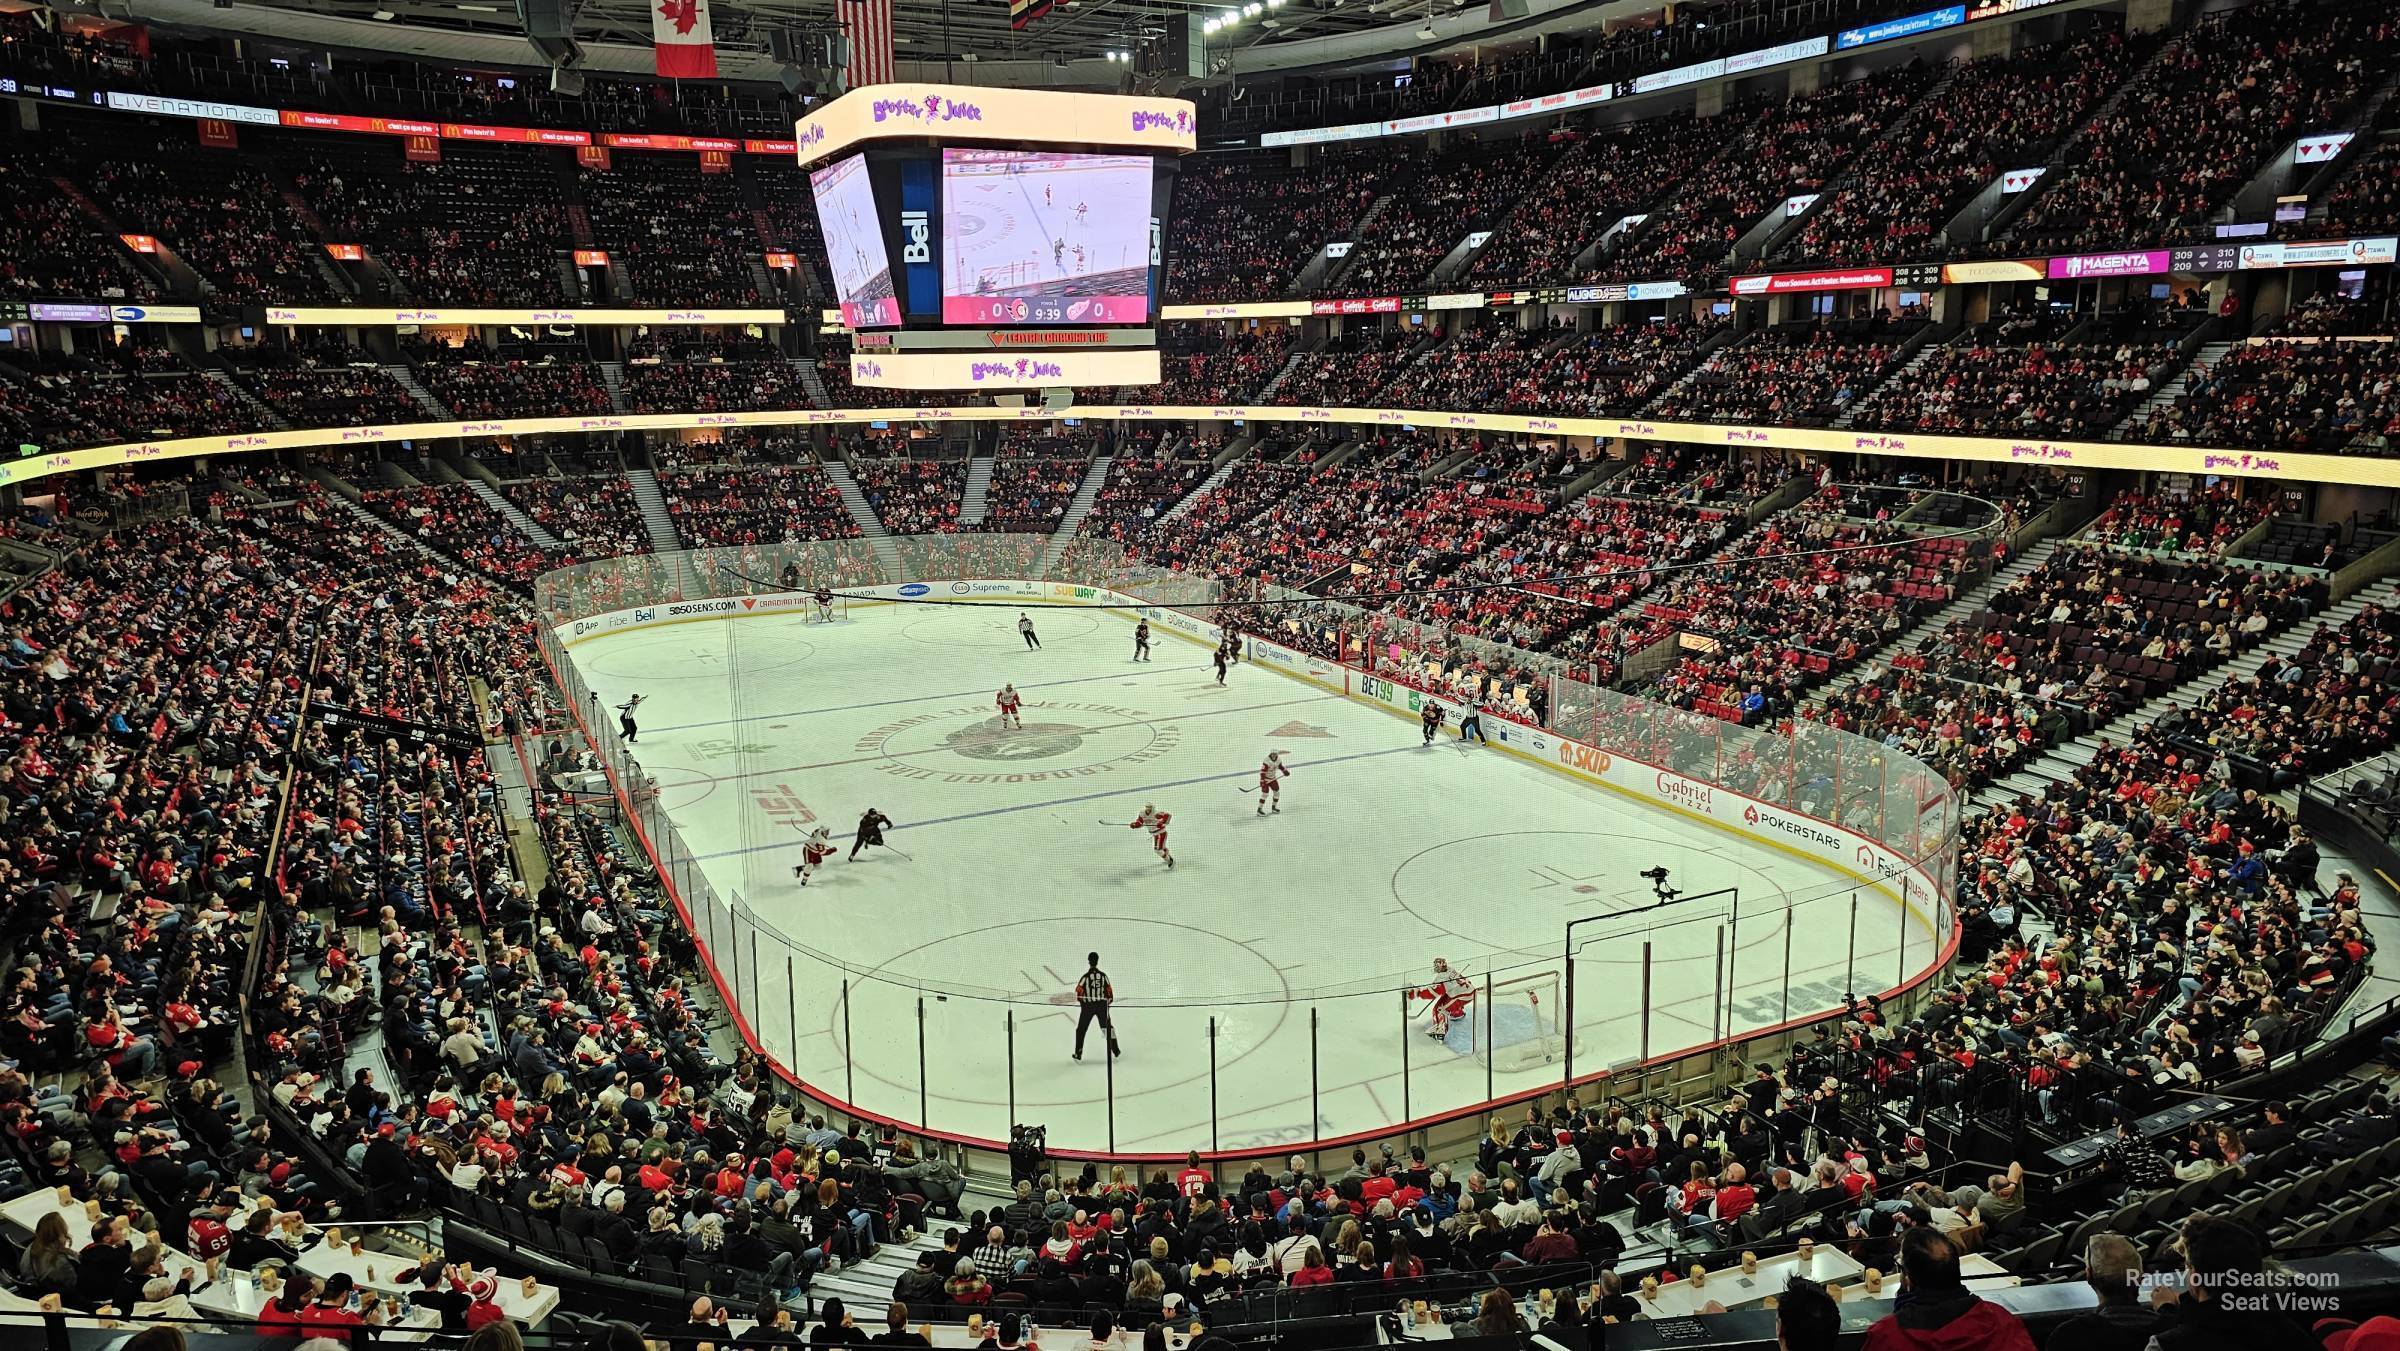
{"points": [[931, 110], [1146, 120], [1022, 368], [815, 135]]}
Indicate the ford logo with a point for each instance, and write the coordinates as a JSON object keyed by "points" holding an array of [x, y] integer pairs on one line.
{"points": [[915, 589]]}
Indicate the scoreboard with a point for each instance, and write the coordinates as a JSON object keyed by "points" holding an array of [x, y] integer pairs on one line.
{"points": [[951, 214]]}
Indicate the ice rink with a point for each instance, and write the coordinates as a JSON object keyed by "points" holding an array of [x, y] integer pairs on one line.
{"points": [[1295, 932]]}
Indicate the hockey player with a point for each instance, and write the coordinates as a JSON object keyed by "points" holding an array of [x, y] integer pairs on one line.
{"points": [[824, 604], [870, 830], [1449, 994], [1141, 641], [1155, 821], [1223, 660], [1433, 715], [1010, 703], [1271, 775], [817, 848]]}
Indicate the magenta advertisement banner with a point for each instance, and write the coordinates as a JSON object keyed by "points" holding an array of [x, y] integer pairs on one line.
{"points": [[2131, 264]]}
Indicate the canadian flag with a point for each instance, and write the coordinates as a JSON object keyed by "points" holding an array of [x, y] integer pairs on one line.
{"points": [[687, 44]]}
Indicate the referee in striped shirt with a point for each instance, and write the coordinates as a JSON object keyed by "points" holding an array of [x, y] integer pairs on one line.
{"points": [[1094, 993]]}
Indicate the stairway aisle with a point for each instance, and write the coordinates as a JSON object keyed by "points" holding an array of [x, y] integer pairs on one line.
{"points": [[975, 503], [241, 394], [1085, 494], [812, 380], [655, 516], [2060, 763], [407, 379], [652, 499], [511, 512], [1931, 626], [612, 378], [887, 554], [1224, 472], [2165, 395]]}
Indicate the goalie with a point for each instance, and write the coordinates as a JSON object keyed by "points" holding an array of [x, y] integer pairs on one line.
{"points": [[1449, 994]]}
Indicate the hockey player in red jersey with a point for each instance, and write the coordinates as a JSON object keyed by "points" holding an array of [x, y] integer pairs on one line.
{"points": [[1155, 821], [1010, 702], [1449, 994], [1271, 775], [814, 850]]}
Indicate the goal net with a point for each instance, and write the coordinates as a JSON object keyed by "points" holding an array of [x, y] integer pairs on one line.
{"points": [[1513, 1022]]}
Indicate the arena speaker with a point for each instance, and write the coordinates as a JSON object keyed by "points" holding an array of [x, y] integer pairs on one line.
{"points": [[1506, 11], [1182, 52], [550, 29]]}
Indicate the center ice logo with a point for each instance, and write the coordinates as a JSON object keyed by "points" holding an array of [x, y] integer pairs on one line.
{"points": [[1033, 741], [1099, 739]]}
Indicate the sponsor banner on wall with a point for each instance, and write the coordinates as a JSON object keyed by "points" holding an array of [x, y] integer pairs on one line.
{"points": [[55, 313], [1366, 305], [652, 141], [591, 257], [140, 243], [1996, 269], [1039, 116], [2290, 466], [304, 316], [777, 258], [161, 105], [1557, 103], [421, 148], [2318, 149], [1830, 279], [2321, 253], [1994, 9], [1777, 55], [2014, 181], [2132, 263], [1681, 75], [216, 133], [346, 253], [1798, 203], [971, 370], [1348, 131], [1932, 20], [1239, 309]]}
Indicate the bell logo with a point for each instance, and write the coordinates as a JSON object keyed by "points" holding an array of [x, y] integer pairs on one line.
{"points": [[919, 233]]}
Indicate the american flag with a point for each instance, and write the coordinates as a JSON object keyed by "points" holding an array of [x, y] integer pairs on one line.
{"points": [[868, 26]]}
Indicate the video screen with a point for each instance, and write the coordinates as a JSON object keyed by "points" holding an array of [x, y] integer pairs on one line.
{"points": [[1030, 237], [862, 270]]}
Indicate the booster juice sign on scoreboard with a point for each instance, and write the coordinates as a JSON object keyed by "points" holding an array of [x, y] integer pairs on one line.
{"points": [[1035, 237]]}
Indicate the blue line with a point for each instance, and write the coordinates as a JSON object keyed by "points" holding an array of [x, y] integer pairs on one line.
{"points": [[1064, 801], [956, 694]]}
